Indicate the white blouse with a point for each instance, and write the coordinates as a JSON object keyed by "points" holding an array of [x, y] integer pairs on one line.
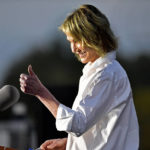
{"points": [[103, 115]]}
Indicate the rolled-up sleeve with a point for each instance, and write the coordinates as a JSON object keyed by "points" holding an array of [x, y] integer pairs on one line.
{"points": [[70, 120], [91, 108], [64, 118]]}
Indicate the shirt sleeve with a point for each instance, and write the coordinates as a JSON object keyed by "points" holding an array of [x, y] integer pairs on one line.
{"points": [[96, 104]]}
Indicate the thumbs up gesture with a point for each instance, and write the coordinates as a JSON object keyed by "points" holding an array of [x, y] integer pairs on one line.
{"points": [[30, 84]]}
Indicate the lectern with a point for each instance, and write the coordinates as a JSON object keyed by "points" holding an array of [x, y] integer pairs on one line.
{"points": [[6, 148]]}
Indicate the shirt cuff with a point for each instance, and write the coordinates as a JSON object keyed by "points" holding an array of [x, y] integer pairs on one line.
{"points": [[64, 118]]}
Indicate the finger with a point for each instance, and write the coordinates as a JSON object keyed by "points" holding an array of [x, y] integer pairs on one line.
{"points": [[26, 83], [45, 144], [23, 85], [54, 145], [24, 76], [29, 82], [22, 81], [27, 90], [30, 71], [26, 87], [22, 89]]}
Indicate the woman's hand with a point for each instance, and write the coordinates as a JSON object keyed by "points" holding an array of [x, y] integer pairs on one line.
{"points": [[54, 144], [30, 84]]}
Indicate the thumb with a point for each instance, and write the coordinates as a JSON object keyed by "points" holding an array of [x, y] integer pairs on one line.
{"points": [[30, 71]]}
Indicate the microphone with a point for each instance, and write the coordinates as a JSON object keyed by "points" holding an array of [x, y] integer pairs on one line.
{"points": [[9, 95]]}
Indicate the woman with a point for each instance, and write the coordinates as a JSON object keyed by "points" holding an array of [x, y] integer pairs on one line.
{"points": [[103, 116]]}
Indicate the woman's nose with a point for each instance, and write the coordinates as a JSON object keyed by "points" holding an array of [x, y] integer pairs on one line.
{"points": [[76, 47]]}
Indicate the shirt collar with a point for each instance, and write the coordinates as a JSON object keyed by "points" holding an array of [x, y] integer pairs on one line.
{"points": [[99, 63]]}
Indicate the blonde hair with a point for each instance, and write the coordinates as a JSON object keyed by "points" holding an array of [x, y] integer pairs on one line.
{"points": [[91, 27]]}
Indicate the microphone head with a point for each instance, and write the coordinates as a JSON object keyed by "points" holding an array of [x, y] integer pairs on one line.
{"points": [[9, 95]]}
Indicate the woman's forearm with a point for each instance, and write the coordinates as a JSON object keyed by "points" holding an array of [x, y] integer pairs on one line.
{"points": [[48, 100]]}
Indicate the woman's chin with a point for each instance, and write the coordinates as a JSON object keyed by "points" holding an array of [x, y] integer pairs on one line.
{"points": [[83, 60]]}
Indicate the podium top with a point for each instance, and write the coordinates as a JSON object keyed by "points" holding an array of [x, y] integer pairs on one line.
{"points": [[6, 148]]}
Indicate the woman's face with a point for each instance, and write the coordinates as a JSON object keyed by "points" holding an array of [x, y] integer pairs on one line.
{"points": [[85, 54]]}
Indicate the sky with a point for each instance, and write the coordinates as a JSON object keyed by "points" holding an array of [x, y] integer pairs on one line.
{"points": [[24, 23]]}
